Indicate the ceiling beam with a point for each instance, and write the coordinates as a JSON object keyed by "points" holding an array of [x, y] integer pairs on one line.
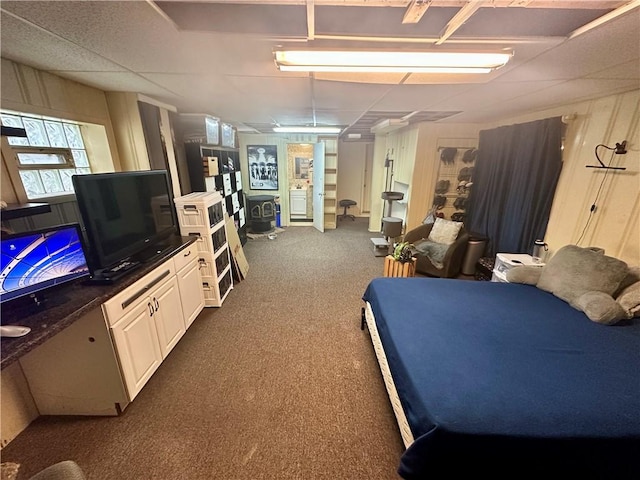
{"points": [[459, 18], [570, 4], [415, 11], [311, 20], [605, 18]]}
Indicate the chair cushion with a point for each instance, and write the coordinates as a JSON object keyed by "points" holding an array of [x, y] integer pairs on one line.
{"points": [[444, 231]]}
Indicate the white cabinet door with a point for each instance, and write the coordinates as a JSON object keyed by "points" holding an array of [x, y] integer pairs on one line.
{"points": [[191, 292], [167, 315], [136, 341], [298, 202]]}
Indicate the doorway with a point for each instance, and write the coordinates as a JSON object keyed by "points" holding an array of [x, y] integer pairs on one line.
{"points": [[300, 175]]}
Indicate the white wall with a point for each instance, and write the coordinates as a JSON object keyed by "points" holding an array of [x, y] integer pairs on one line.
{"points": [[281, 141], [351, 174], [415, 150]]}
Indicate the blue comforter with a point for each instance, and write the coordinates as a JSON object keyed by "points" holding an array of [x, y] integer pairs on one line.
{"points": [[489, 373]]}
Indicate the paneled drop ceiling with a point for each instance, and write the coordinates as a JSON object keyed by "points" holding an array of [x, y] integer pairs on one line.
{"points": [[216, 57]]}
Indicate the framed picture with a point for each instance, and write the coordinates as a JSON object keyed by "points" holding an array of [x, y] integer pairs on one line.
{"points": [[263, 167]]}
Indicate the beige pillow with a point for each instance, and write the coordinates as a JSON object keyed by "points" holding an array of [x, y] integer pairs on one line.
{"points": [[444, 231], [573, 271]]}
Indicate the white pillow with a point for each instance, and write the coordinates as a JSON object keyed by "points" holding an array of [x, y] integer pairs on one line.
{"points": [[444, 231]]}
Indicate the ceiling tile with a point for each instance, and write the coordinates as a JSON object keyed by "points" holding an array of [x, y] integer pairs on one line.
{"points": [[37, 48], [120, 82]]}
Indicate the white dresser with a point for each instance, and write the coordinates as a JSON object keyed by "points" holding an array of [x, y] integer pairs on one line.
{"points": [[202, 214]]}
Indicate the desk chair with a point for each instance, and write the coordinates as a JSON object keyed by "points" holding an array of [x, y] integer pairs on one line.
{"points": [[346, 204]]}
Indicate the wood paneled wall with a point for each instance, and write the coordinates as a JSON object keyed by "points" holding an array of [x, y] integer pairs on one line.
{"points": [[26, 89], [615, 224]]}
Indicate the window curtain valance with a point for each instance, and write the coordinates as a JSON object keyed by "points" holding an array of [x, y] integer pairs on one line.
{"points": [[515, 178]]}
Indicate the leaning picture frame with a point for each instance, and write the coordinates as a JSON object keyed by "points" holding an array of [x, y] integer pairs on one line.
{"points": [[263, 167]]}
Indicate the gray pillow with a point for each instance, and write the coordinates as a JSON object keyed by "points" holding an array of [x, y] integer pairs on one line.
{"points": [[574, 271], [600, 308], [633, 276], [524, 274], [629, 300]]}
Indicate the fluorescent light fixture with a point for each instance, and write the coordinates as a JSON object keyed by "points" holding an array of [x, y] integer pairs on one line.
{"points": [[305, 129], [387, 61]]}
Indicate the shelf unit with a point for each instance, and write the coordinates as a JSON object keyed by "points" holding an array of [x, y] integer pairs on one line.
{"points": [[330, 181], [202, 214], [217, 169]]}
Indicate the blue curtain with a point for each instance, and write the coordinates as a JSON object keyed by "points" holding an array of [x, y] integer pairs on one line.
{"points": [[514, 181]]}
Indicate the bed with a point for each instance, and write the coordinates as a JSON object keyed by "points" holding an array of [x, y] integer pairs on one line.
{"points": [[505, 378]]}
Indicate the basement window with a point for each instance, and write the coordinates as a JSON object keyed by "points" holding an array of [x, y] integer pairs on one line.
{"points": [[51, 153]]}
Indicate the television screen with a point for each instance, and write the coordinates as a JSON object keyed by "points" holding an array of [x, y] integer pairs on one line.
{"points": [[123, 213], [37, 260]]}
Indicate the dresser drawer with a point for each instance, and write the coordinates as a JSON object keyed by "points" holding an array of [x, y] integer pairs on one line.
{"points": [[125, 301], [185, 256]]}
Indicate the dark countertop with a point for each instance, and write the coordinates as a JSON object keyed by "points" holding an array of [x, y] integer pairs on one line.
{"points": [[19, 210], [72, 301]]}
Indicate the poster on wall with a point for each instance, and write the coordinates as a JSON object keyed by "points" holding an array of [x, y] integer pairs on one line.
{"points": [[263, 167]]}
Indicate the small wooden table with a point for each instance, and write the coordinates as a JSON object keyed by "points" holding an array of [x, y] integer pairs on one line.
{"points": [[394, 268]]}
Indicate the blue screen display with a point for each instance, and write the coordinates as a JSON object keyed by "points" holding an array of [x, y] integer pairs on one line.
{"points": [[31, 262]]}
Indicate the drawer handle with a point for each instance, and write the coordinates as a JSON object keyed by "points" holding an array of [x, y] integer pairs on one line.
{"points": [[141, 292], [188, 253], [190, 207]]}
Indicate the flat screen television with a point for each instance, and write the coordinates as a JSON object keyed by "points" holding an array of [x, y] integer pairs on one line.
{"points": [[35, 261], [124, 214]]}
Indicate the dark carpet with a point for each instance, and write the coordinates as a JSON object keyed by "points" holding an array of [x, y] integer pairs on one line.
{"points": [[279, 383]]}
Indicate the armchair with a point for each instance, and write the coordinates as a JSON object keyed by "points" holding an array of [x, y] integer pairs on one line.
{"points": [[453, 257]]}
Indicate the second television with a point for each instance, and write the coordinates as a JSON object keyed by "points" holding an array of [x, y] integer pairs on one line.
{"points": [[124, 214]]}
